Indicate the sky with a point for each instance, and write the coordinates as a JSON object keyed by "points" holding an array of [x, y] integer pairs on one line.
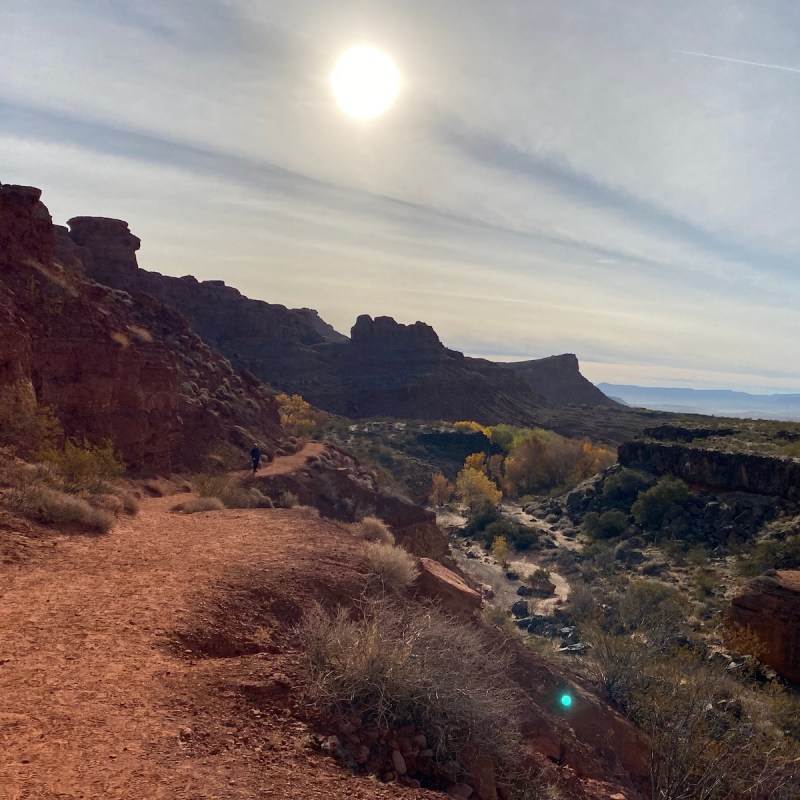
{"points": [[610, 178]]}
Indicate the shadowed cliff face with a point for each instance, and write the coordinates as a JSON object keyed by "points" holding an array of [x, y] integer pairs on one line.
{"points": [[558, 379], [132, 372], [770, 475], [770, 607], [384, 369]]}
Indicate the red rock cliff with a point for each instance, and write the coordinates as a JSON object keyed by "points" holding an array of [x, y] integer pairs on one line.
{"points": [[110, 369]]}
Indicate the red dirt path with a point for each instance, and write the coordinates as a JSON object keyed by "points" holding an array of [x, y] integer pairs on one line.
{"points": [[97, 700]]}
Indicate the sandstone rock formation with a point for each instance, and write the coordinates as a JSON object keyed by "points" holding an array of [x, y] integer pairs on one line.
{"points": [[438, 583], [337, 485], [558, 380], [770, 606], [112, 366], [384, 369]]}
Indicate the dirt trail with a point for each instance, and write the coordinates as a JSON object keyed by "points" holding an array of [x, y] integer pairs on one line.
{"points": [[94, 699]]}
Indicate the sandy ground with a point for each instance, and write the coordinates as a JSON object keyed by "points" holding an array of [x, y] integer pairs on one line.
{"points": [[98, 701]]}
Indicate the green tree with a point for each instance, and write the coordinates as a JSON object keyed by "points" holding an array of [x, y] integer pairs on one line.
{"points": [[652, 505]]}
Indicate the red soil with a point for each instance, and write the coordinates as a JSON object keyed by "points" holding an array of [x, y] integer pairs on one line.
{"points": [[98, 699]]}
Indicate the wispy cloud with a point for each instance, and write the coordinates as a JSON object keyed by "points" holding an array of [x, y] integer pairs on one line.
{"points": [[780, 67], [554, 172]]}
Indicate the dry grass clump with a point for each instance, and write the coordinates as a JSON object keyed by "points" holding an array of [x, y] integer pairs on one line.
{"points": [[394, 567], [198, 504], [373, 529], [231, 493], [130, 503], [394, 666], [52, 506]]}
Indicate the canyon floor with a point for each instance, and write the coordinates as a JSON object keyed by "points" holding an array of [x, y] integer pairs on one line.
{"points": [[123, 672]]}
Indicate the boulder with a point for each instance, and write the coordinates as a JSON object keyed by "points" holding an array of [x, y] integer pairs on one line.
{"points": [[520, 609], [436, 582], [770, 606]]}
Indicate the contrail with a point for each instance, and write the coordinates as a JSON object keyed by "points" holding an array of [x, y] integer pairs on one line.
{"points": [[738, 61]]}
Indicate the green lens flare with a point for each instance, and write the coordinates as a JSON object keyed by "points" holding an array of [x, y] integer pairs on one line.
{"points": [[566, 700]]}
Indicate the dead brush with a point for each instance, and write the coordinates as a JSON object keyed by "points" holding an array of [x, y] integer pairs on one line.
{"points": [[372, 529], [51, 506], [390, 565], [392, 665]]}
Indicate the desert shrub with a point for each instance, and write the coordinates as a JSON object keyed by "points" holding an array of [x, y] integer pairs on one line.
{"points": [[539, 574], [52, 506], [130, 503], [86, 467], [580, 602], [488, 524], [497, 616], [29, 429], [770, 554], [231, 493], [652, 608], [651, 505], [393, 666], [621, 489], [289, 500], [373, 529], [606, 525], [198, 504], [709, 739], [394, 567]]}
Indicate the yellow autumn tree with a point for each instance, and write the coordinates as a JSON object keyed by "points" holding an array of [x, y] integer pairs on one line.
{"points": [[441, 489], [500, 550], [476, 461], [475, 490], [471, 426], [298, 415]]}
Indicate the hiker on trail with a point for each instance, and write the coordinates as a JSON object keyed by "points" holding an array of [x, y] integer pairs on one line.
{"points": [[255, 454]]}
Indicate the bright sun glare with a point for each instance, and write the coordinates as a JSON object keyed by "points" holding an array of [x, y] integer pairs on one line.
{"points": [[365, 81]]}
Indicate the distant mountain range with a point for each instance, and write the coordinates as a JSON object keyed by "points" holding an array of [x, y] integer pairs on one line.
{"points": [[719, 402]]}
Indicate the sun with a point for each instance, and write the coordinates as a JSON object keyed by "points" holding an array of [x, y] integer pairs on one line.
{"points": [[365, 81]]}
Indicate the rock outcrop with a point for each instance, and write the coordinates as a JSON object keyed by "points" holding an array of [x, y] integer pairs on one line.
{"points": [[769, 606], [111, 365], [340, 488], [384, 369], [722, 471], [558, 380], [438, 583]]}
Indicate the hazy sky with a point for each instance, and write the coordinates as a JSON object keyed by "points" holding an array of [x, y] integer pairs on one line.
{"points": [[612, 178]]}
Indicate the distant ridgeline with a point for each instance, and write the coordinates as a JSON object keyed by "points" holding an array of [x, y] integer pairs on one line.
{"points": [[719, 402], [382, 369]]}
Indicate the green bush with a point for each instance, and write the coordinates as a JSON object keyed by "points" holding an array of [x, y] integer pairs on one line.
{"points": [[85, 468], [652, 608], [770, 554], [651, 505], [605, 525], [621, 489], [29, 429]]}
